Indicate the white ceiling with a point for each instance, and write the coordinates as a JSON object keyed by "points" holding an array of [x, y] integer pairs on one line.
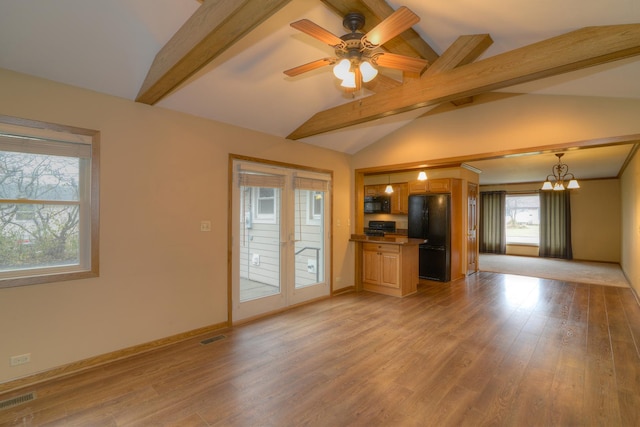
{"points": [[108, 46]]}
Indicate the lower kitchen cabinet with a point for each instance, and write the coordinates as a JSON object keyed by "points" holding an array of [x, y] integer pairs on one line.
{"points": [[389, 268], [381, 265]]}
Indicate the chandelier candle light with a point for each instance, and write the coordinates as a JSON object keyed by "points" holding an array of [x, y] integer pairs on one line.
{"points": [[560, 174]]}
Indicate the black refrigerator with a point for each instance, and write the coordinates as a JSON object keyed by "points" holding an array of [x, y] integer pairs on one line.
{"points": [[429, 219]]}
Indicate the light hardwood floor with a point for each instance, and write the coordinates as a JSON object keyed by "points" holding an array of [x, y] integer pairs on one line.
{"points": [[491, 349]]}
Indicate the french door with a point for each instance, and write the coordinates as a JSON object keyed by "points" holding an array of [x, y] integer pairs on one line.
{"points": [[280, 244]]}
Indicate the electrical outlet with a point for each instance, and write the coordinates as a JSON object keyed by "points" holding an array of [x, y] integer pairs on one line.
{"points": [[20, 359], [205, 225]]}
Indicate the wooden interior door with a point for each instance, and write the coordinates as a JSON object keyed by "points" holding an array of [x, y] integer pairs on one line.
{"points": [[472, 228]]}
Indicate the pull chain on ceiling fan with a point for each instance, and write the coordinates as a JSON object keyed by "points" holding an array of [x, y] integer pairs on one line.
{"points": [[358, 54]]}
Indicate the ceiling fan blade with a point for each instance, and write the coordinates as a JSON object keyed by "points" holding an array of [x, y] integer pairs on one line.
{"points": [[399, 21], [316, 31], [400, 62], [309, 66]]}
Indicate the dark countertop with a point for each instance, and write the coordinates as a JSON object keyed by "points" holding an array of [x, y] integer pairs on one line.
{"points": [[388, 239]]}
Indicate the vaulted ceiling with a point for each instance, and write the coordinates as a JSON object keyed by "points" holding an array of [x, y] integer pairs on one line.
{"points": [[224, 60]]}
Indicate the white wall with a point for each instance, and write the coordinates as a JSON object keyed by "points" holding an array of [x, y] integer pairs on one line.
{"points": [[161, 174]]}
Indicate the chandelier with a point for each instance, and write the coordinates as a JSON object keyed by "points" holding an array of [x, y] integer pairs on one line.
{"points": [[559, 174]]}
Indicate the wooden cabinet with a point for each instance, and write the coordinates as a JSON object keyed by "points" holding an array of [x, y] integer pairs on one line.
{"points": [[381, 264], [374, 190], [389, 269], [438, 185], [418, 187], [442, 185], [400, 198]]}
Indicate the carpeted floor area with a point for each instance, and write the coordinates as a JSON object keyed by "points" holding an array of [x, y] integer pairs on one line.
{"points": [[596, 273]]}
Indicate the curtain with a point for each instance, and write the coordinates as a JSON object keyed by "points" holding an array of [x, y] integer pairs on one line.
{"points": [[555, 224], [492, 225]]}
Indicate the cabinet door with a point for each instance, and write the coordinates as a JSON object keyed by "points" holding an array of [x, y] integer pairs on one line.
{"points": [[390, 266], [400, 198], [370, 267], [418, 187], [440, 185], [373, 190]]}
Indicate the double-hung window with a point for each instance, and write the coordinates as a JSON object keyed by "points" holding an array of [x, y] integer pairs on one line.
{"points": [[48, 202]]}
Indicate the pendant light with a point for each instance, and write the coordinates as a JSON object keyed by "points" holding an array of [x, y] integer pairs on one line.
{"points": [[389, 188], [422, 176]]}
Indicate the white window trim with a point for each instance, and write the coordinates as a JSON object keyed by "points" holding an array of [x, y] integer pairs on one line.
{"points": [[36, 135]]}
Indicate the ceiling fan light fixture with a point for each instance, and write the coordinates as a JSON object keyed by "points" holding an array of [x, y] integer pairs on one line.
{"points": [[368, 71], [342, 69], [349, 81]]}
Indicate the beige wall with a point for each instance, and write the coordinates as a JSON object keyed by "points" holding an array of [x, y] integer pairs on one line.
{"points": [[161, 174], [511, 123], [596, 231], [630, 189], [595, 219]]}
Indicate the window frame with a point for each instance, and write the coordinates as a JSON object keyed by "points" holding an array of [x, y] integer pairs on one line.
{"points": [[89, 227]]}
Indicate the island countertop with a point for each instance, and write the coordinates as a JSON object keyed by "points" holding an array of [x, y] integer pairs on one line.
{"points": [[392, 240]]}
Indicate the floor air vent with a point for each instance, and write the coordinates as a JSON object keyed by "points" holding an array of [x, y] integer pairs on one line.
{"points": [[212, 339], [18, 400]]}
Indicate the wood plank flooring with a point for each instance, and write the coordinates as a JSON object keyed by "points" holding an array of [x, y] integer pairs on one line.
{"points": [[491, 349]]}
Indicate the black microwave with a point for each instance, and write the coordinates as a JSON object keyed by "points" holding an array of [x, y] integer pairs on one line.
{"points": [[377, 204]]}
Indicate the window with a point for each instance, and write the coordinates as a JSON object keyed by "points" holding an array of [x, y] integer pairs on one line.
{"points": [[48, 203], [522, 219], [315, 204], [265, 204]]}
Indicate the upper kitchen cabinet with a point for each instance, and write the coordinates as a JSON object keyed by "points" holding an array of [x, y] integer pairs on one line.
{"points": [[438, 185], [400, 198], [374, 190]]}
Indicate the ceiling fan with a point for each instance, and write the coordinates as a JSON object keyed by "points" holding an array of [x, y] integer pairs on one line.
{"points": [[357, 54]]}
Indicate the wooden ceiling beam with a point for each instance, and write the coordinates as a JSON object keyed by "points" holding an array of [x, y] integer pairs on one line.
{"points": [[568, 52], [408, 43], [381, 82], [464, 50], [215, 26]]}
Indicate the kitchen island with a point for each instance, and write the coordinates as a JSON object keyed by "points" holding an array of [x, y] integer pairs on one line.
{"points": [[387, 264]]}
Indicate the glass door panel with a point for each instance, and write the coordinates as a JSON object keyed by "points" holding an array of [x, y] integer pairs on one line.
{"points": [[257, 251], [309, 242], [279, 238], [259, 243]]}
